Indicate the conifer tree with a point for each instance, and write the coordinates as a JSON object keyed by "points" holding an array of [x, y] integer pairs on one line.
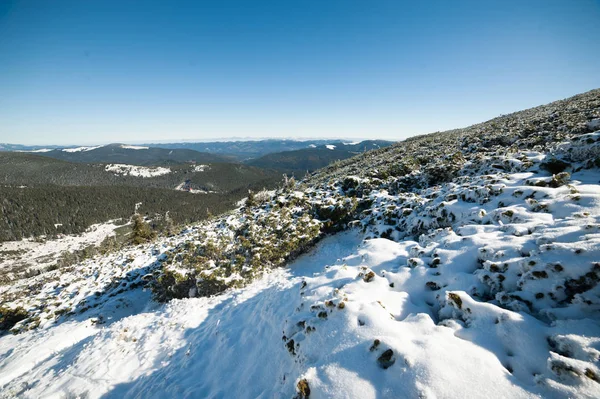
{"points": [[141, 231]]}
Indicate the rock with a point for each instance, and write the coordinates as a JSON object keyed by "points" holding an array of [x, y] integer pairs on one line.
{"points": [[386, 359], [375, 345], [555, 166], [432, 285], [291, 347]]}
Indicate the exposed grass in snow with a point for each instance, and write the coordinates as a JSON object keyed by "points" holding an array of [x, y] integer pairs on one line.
{"points": [[30, 256]]}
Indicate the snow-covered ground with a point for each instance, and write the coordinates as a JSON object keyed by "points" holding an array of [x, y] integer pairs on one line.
{"points": [[330, 147], [356, 317], [138, 171], [37, 254], [184, 187], [325, 319]]}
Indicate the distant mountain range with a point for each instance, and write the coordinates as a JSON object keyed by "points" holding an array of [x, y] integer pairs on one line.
{"points": [[288, 156], [246, 150]]}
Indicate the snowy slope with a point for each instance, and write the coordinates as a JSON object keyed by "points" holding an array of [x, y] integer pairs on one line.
{"points": [[289, 325], [233, 345], [32, 254]]}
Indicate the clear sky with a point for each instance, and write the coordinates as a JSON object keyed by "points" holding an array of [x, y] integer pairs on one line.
{"points": [[85, 72]]}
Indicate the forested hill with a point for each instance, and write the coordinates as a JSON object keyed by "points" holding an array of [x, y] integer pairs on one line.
{"points": [[52, 210], [25, 169], [45, 196], [135, 155]]}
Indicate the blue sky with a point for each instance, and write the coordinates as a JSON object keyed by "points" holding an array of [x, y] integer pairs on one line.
{"points": [[88, 72]]}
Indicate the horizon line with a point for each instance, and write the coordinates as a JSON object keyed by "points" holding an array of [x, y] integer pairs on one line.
{"points": [[210, 140]]}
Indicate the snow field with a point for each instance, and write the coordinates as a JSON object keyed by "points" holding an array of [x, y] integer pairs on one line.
{"points": [[137, 171], [36, 255]]}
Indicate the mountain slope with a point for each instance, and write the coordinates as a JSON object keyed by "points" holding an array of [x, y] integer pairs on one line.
{"points": [[535, 128], [310, 159], [187, 347], [468, 268]]}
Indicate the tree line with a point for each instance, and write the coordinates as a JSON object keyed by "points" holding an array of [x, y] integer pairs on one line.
{"points": [[52, 210]]}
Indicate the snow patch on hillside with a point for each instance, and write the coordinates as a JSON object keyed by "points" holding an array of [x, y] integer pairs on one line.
{"points": [[186, 186], [40, 150], [330, 147], [37, 254], [200, 168], [137, 171], [81, 149], [134, 147]]}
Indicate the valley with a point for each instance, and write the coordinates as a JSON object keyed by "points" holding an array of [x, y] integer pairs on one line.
{"points": [[75, 187]]}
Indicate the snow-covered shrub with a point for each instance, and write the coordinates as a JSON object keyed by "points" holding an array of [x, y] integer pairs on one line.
{"points": [[11, 316], [234, 250]]}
